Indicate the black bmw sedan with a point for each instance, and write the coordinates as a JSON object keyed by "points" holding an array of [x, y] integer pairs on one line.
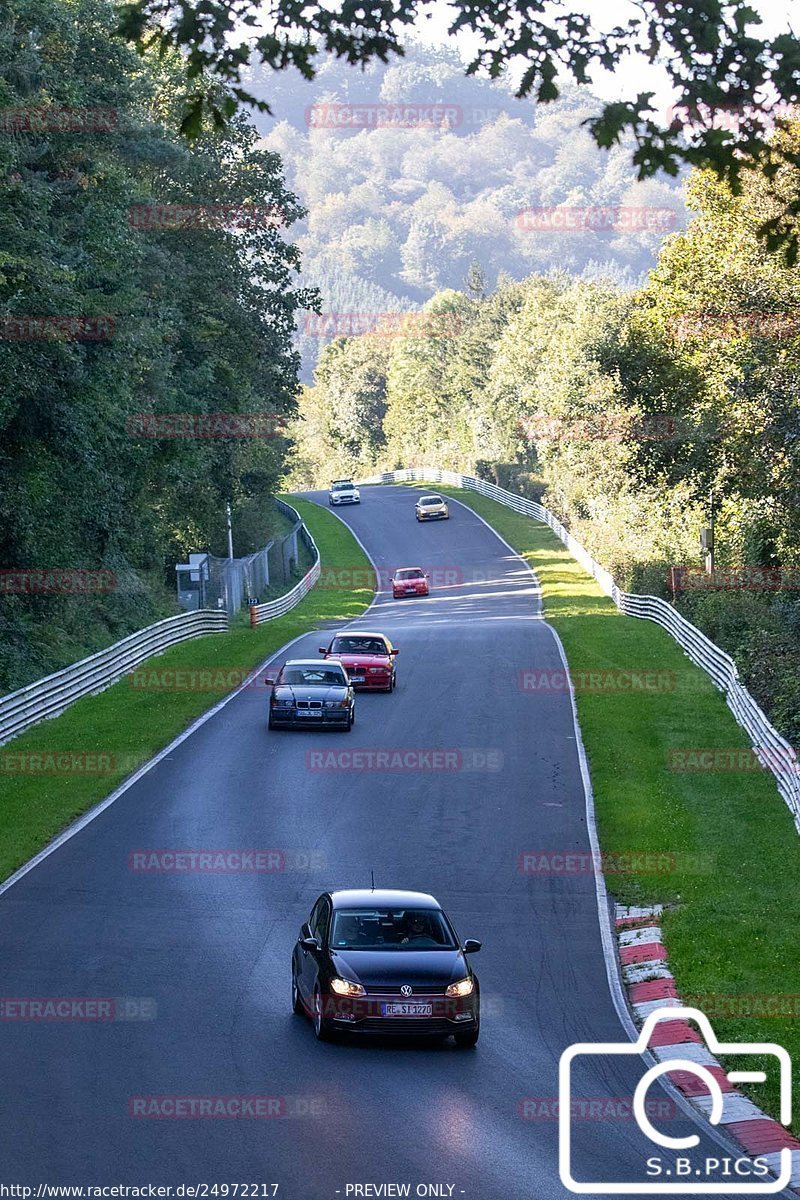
{"points": [[309, 692], [388, 962]]}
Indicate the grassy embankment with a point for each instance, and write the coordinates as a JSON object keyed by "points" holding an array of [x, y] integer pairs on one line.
{"points": [[126, 725]]}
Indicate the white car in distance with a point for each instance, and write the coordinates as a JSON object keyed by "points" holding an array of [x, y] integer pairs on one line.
{"points": [[343, 491]]}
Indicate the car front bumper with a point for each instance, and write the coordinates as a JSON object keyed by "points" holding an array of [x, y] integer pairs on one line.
{"points": [[345, 499], [402, 594], [371, 683], [433, 516], [364, 1015], [290, 720]]}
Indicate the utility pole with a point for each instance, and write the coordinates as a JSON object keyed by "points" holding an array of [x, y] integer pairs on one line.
{"points": [[230, 531], [707, 535]]}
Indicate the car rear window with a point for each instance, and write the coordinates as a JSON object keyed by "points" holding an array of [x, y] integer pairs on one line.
{"points": [[391, 929], [311, 676], [353, 645]]}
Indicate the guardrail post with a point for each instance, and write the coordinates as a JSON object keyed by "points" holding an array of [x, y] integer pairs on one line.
{"points": [[253, 616]]}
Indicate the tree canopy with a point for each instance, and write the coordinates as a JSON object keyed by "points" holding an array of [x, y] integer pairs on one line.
{"points": [[710, 50], [196, 317]]}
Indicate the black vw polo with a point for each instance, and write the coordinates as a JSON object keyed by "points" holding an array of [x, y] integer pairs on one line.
{"points": [[388, 962]]}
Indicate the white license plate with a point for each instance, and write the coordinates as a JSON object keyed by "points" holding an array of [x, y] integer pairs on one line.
{"points": [[309, 712], [407, 1010], [358, 678]]}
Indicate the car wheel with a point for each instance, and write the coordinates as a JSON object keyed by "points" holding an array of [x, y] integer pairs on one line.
{"points": [[322, 1028], [466, 1040], [270, 722], [297, 1003]]}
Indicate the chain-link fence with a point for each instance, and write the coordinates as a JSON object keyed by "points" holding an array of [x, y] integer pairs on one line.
{"points": [[229, 584]]}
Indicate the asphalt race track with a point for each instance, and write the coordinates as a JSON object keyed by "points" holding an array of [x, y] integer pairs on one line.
{"points": [[207, 954]]}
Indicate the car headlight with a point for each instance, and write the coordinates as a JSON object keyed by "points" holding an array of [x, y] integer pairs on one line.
{"points": [[343, 987], [464, 987], [279, 703]]}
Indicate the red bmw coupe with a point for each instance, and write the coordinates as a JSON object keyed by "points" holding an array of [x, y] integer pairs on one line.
{"points": [[410, 581], [368, 659]]}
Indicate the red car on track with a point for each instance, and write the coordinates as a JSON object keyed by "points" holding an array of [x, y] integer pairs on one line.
{"points": [[410, 581], [368, 659]]}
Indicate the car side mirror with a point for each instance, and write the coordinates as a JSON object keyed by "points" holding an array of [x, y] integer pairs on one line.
{"points": [[471, 946], [270, 679], [309, 943], [427, 576], [393, 652], [323, 649]]}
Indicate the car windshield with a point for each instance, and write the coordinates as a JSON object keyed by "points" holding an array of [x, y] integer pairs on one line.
{"points": [[342, 485], [391, 929], [409, 574], [312, 676], [430, 500], [358, 645]]}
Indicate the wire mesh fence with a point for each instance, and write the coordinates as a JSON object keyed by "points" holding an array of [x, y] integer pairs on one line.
{"points": [[229, 584]]}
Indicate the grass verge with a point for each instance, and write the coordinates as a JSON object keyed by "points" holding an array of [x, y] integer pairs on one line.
{"points": [[732, 883], [126, 725]]}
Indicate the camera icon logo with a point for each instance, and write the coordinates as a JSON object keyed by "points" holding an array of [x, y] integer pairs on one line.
{"points": [[640, 1048]]}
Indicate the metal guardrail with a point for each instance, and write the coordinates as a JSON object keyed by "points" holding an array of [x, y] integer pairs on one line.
{"points": [[771, 749], [50, 696], [276, 608]]}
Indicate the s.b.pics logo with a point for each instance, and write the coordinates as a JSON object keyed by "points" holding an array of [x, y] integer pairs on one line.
{"points": [[674, 1171]]}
